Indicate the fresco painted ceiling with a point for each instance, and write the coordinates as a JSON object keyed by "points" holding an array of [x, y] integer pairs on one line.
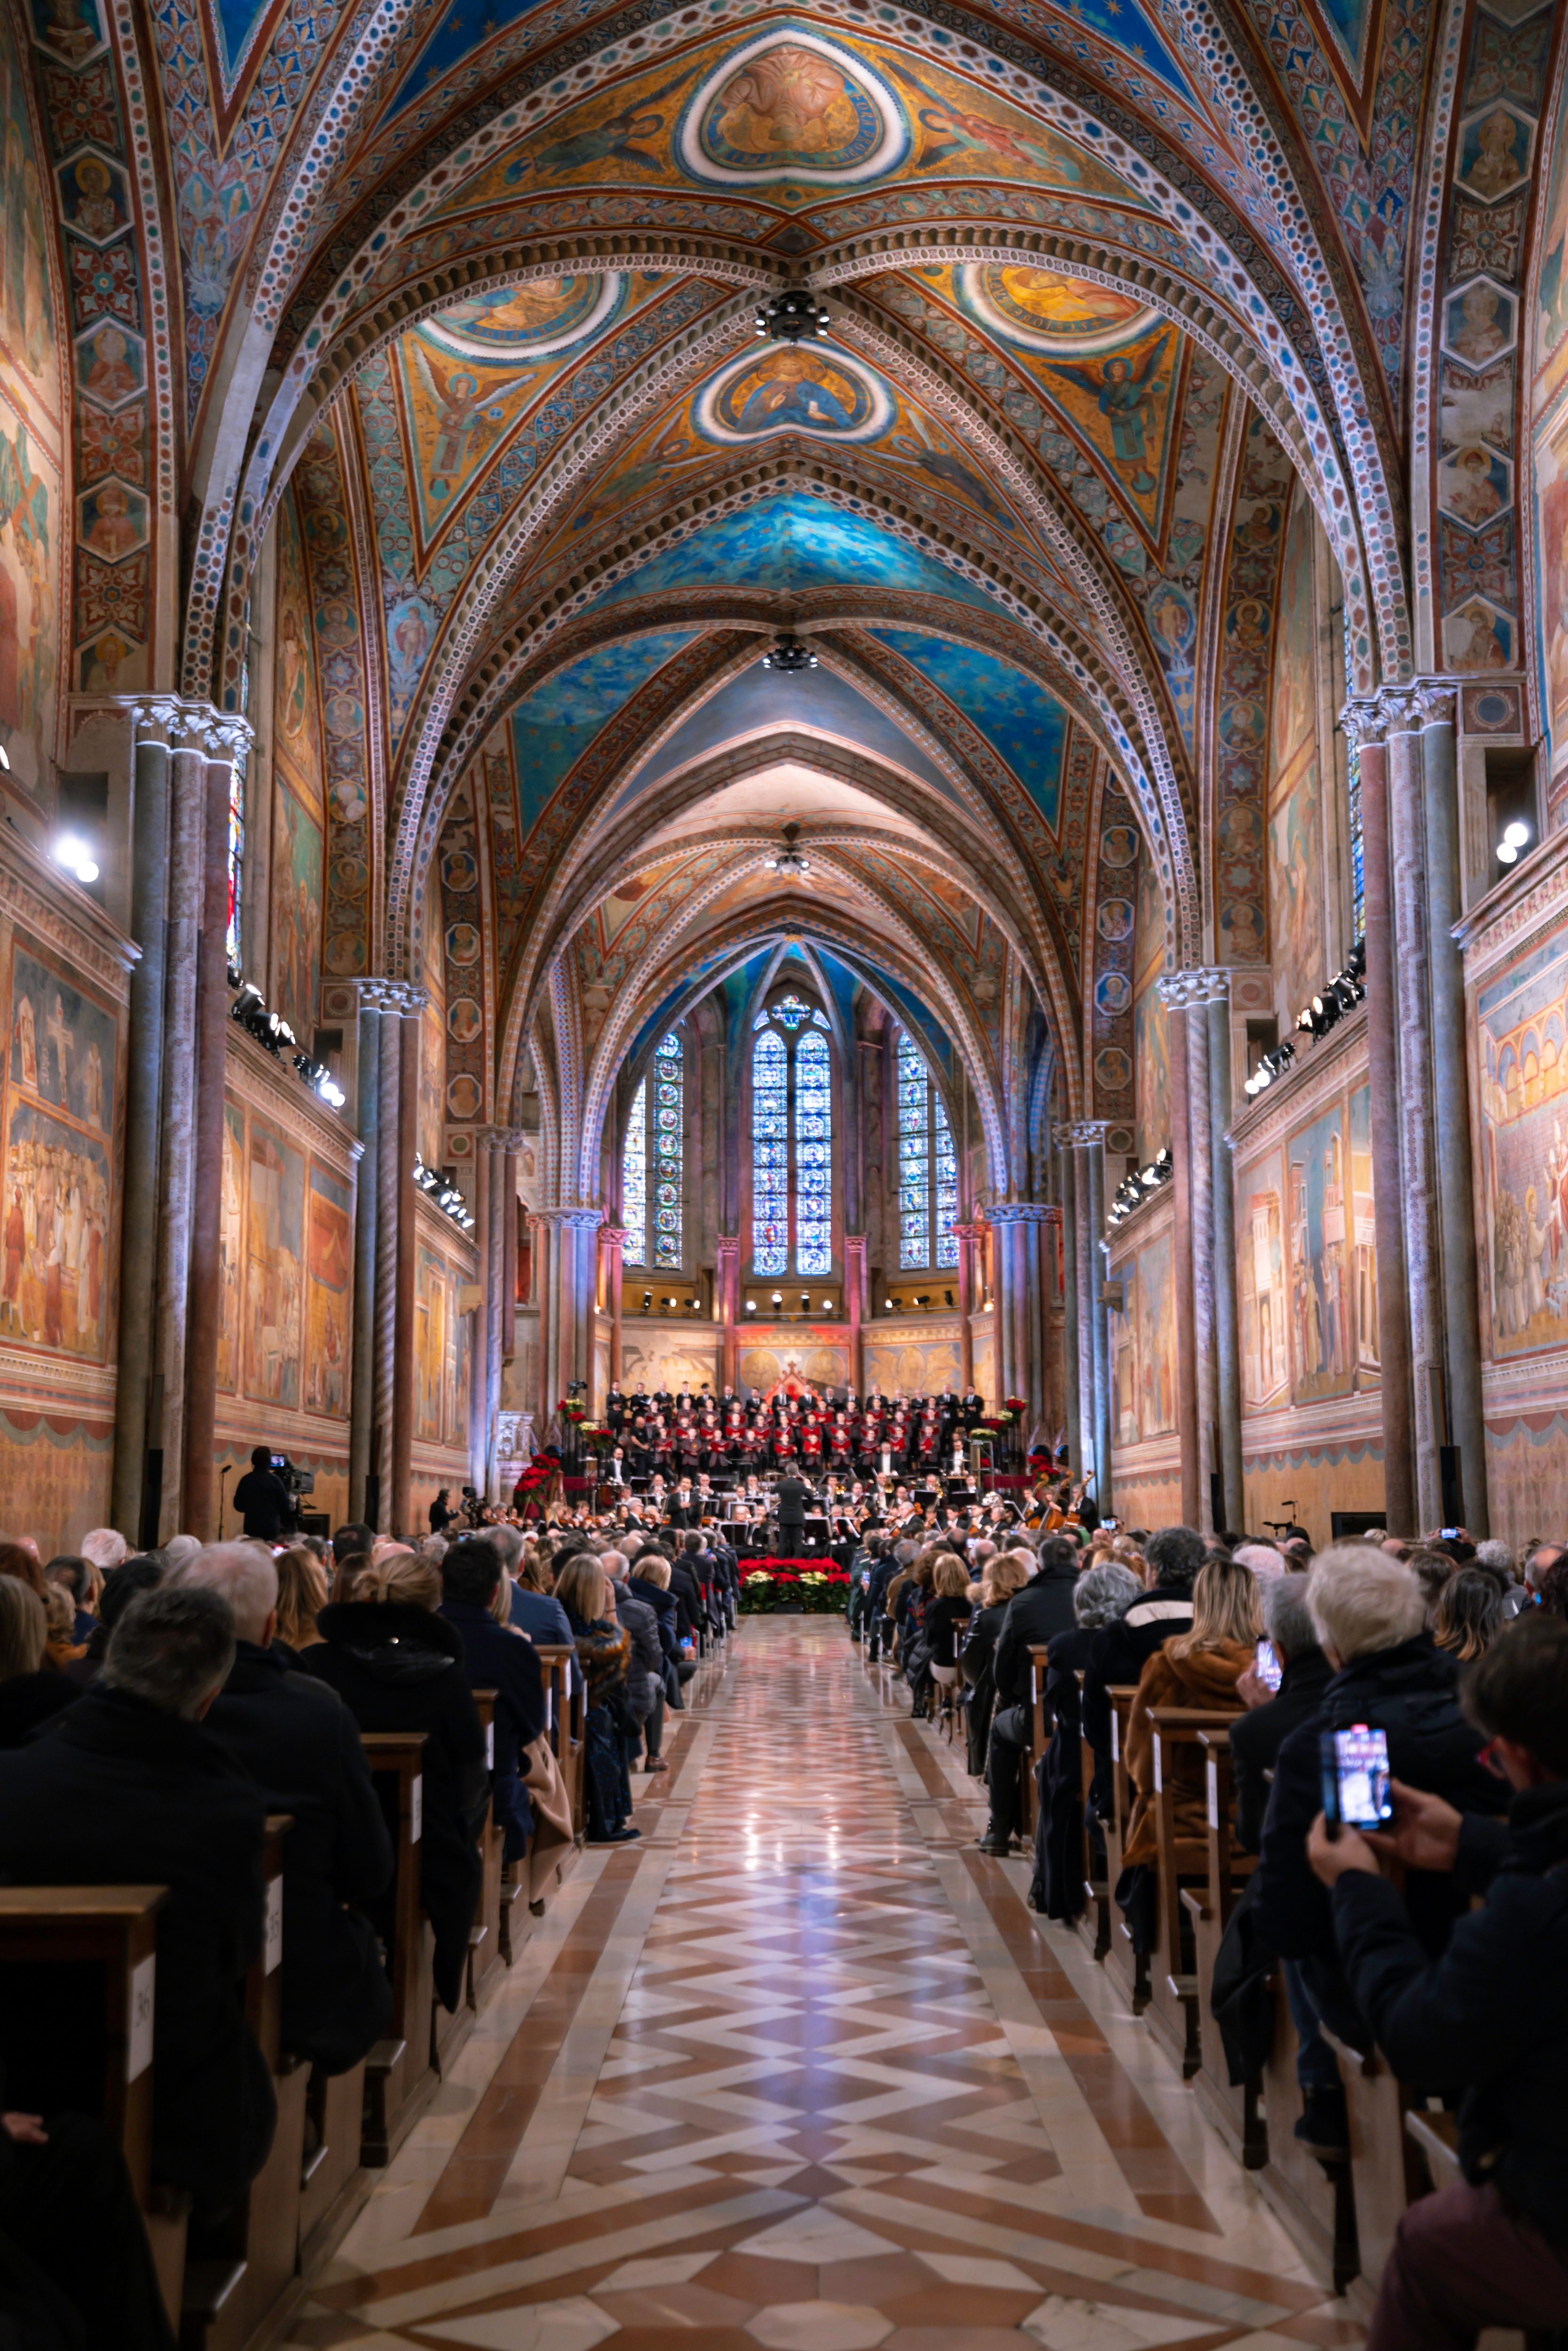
{"points": [[476, 291]]}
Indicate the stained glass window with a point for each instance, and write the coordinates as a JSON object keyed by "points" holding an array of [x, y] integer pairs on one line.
{"points": [[667, 1154], [928, 1167], [653, 1165], [791, 1013], [813, 1156], [634, 1182], [769, 1154], [914, 1158]]}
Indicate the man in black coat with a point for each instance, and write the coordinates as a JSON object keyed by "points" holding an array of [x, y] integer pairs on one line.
{"points": [[1175, 1554], [498, 1660], [300, 1744], [264, 1503], [1043, 1607], [1370, 1615], [1478, 2020], [129, 1787], [793, 1495]]}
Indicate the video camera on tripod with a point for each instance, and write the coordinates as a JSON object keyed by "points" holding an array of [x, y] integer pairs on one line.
{"points": [[294, 1481]]}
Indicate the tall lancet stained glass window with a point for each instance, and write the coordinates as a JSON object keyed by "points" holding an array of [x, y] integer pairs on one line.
{"points": [[668, 1156], [770, 1153], [928, 1168], [813, 1155], [653, 1165]]}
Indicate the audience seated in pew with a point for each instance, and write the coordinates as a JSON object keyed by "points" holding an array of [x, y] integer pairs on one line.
{"points": [[1479, 2020], [1101, 1594], [1116, 1654], [1198, 1669], [144, 1572], [1004, 1574], [83, 1585], [603, 1650], [129, 1786], [1370, 1613], [398, 1665], [645, 1665], [31, 1691], [294, 1737], [76, 2269], [499, 1657], [303, 1590], [1043, 1606]]}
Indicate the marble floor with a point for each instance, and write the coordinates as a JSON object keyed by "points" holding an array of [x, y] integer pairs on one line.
{"points": [[802, 2071]]}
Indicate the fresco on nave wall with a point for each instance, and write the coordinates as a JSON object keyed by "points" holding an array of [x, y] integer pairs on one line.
{"points": [[1143, 1343], [285, 1268], [1242, 699], [1307, 1262], [61, 1144], [1521, 1031], [273, 1305], [792, 116], [330, 1254], [295, 895], [1551, 542], [1151, 1037], [298, 891], [1295, 778], [114, 521]]}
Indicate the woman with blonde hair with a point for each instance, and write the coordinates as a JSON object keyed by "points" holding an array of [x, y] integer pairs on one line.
{"points": [[302, 1594], [30, 1690], [398, 1665], [1198, 1669], [604, 1653], [1005, 1574]]}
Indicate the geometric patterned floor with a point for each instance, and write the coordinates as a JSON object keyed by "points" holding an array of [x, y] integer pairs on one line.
{"points": [[799, 2069]]}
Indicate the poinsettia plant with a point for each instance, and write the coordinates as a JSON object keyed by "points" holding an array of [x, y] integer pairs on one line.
{"points": [[804, 1584], [573, 1409]]}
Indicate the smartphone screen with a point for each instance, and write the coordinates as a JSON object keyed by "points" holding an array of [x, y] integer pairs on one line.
{"points": [[1270, 1673], [1356, 1777]]}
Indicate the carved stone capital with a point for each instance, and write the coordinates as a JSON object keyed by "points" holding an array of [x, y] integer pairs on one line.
{"points": [[613, 1237], [1199, 984], [402, 998], [968, 1232], [1016, 1212], [1080, 1133], [499, 1138], [580, 1219], [191, 727], [727, 1245], [1404, 708], [1365, 723]]}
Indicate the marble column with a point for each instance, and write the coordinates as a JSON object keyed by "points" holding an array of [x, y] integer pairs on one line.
{"points": [[362, 1389], [407, 1149], [854, 1297], [171, 1228], [967, 1236], [513, 1161], [153, 724], [1011, 1222], [543, 1299], [1046, 1244], [1404, 711], [1364, 724], [1205, 1272], [1084, 1140], [1072, 1398], [612, 1241], [1184, 1127], [1450, 1095], [227, 740], [492, 1259], [727, 1252], [1226, 1325]]}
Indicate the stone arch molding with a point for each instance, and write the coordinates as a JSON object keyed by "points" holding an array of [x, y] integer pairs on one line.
{"points": [[228, 508], [814, 922]]}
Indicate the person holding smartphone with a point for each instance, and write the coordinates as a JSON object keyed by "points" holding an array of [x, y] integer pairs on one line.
{"points": [[1479, 2019]]}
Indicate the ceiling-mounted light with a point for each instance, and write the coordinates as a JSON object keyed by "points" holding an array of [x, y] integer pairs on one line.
{"points": [[790, 861], [789, 656], [74, 854], [793, 317]]}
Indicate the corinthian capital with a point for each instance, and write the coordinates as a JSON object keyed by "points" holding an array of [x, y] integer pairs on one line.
{"points": [[1199, 984]]}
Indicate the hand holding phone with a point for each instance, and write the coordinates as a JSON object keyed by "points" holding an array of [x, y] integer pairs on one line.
{"points": [[1268, 1669], [1357, 1778]]}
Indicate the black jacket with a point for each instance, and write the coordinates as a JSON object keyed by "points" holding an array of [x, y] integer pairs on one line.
{"points": [[1043, 1609], [300, 1745], [1117, 1654], [1481, 2020], [1411, 1691], [398, 1667], [946, 1618], [28, 1699], [793, 1495], [116, 1792], [1057, 1888], [265, 1504], [661, 1601], [978, 1658], [508, 1662], [1257, 1737]]}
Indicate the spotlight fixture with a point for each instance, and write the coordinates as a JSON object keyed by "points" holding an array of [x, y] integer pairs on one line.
{"points": [[72, 851], [777, 1298], [793, 317], [1340, 995], [805, 1302], [789, 656], [1515, 837], [827, 1306], [1133, 1189], [948, 1297], [4, 760], [1271, 1066], [647, 1300], [790, 860], [751, 1305], [446, 1197]]}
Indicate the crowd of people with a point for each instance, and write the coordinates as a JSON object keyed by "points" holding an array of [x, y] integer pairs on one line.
{"points": [[793, 1426], [1433, 1939], [156, 1707]]}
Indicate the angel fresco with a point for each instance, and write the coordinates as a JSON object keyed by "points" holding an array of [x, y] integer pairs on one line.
{"points": [[615, 141], [927, 456], [957, 133], [1121, 397], [662, 459]]}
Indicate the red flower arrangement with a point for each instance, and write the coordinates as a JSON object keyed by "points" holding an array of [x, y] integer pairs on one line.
{"points": [[815, 1586]]}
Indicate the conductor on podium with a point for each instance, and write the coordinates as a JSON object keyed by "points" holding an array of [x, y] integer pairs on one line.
{"points": [[793, 1495]]}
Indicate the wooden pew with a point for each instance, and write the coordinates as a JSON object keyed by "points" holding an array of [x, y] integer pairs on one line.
{"points": [[1094, 1922], [112, 1928], [399, 2077], [489, 1950], [1315, 2199], [1384, 2172], [241, 2273], [1235, 2112], [1130, 1968], [565, 1727], [330, 2176], [1180, 1862]]}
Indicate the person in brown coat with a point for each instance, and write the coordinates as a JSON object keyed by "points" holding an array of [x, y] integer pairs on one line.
{"points": [[1198, 1669]]}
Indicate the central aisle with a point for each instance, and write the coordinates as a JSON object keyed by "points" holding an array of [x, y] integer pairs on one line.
{"points": [[799, 2070]]}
